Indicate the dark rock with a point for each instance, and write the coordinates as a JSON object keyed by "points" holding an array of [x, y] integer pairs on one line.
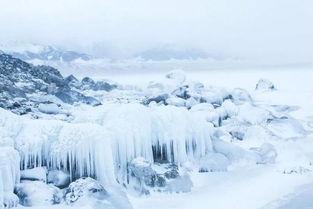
{"points": [[19, 80], [72, 81]]}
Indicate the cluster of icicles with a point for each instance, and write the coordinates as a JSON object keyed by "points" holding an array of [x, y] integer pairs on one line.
{"points": [[100, 143]]}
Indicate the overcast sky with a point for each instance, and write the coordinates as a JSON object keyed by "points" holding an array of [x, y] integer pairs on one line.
{"points": [[260, 29]]}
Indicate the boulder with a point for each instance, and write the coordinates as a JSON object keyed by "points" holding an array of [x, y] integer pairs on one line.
{"points": [[38, 193], [240, 96], [264, 85], [89, 192], [84, 188], [49, 108]]}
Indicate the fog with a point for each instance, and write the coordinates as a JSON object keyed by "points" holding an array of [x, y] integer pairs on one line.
{"points": [[264, 30]]}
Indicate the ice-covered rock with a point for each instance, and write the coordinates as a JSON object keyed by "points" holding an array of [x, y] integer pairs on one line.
{"points": [[84, 188], [165, 177], [49, 108], [144, 175], [202, 107], [37, 193], [252, 114], [176, 101], [264, 85], [157, 99], [58, 178], [240, 96], [34, 174], [87, 191], [213, 162], [267, 153], [234, 153]]}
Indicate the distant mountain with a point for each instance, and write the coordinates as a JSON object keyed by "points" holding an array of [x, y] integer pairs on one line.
{"points": [[171, 52], [29, 52]]}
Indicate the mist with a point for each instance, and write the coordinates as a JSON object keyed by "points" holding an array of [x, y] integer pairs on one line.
{"points": [[250, 29]]}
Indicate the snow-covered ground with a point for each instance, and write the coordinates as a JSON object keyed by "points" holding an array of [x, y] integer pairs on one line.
{"points": [[263, 171], [256, 187]]}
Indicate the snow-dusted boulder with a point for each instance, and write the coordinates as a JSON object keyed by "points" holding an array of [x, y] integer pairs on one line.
{"points": [[230, 108], [202, 107], [159, 177], [157, 99], [37, 193], [190, 102], [58, 178], [240, 96], [253, 115], [34, 174], [84, 188], [49, 108], [264, 85], [234, 153], [213, 162], [176, 101], [89, 192]]}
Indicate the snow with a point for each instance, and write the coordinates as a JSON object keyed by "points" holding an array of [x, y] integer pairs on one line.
{"points": [[49, 108], [257, 152]]}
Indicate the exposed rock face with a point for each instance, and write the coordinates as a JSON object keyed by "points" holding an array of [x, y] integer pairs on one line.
{"points": [[22, 84]]}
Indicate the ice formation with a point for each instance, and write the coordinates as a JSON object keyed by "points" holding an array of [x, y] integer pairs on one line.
{"points": [[9, 176], [178, 122], [103, 150]]}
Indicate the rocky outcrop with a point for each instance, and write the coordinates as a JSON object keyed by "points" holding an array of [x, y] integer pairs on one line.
{"points": [[24, 86]]}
